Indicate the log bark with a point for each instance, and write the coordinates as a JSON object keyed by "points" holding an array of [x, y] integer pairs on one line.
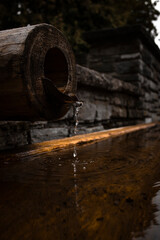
{"points": [[28, 55]]}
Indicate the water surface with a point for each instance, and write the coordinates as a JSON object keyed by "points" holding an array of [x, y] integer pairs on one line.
{"points": [[108, 190]]}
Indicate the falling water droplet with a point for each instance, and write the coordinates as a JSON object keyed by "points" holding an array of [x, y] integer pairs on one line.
{"points": [[75, 152]]}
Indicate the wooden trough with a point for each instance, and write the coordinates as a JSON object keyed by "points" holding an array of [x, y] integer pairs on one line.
{"points": [[29, 56]]}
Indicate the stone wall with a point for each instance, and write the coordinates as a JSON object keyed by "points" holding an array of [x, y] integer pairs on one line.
{"points": [[108, 100], [119, 84], [129, 54]]}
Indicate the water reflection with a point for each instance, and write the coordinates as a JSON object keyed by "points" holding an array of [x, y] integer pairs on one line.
{"points": [[74, 164], [153, 231], [107, 190]]}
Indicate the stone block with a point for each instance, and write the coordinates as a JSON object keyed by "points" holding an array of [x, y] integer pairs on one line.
{"points": [[147, 57], [134, 113], [140, 103], [16, 139], [103, 111], [13, 134], [118, 100], [155, 117], [110, 58], [130, 56], [46, 134], [155, 96], [153, 86], [118, 112], [148, 120], [153, 109], [87, 129], [3, 143], [146, 113], [148, 106], [126, 67], [155, 78], [157, 105], [38, 124], [116, 47], [132, 78], [102, 96], [84, 93], [88, 112], [155, 64], [102, 67], [148, 97], [132, 102], [13, 139], [123, 100], [147, 72]]}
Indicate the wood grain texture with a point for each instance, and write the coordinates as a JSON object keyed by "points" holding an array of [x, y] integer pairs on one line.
{"points": [[27, 55]]}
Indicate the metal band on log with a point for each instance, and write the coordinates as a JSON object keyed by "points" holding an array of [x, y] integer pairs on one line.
{"points": [[37, 73]]}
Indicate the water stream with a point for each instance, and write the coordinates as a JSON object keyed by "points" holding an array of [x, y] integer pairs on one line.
{"points": [[77, 107], [74, 164]]}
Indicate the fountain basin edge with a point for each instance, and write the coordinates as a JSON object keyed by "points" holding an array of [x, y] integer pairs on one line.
{"points": [[58, 144]]}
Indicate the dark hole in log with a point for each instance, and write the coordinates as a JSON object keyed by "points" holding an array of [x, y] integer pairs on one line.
{"points": [[55, 68]]}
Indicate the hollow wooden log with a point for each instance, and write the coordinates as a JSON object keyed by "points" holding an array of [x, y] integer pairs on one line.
{"points": [[28, 56]]}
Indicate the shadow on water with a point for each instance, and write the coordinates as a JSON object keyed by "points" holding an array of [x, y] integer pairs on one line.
{"points": [[109, 190]]}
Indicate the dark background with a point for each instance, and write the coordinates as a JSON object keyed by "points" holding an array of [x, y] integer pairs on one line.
{"points": [[74, 18]]}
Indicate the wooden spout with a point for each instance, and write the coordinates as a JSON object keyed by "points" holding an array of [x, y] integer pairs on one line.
{"points": [[28, 55]]}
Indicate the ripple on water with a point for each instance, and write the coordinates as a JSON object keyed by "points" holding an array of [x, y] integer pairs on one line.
{"points": [[106, 184]]}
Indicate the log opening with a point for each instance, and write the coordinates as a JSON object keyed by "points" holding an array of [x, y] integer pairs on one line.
{"points": [[56, 68]]}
